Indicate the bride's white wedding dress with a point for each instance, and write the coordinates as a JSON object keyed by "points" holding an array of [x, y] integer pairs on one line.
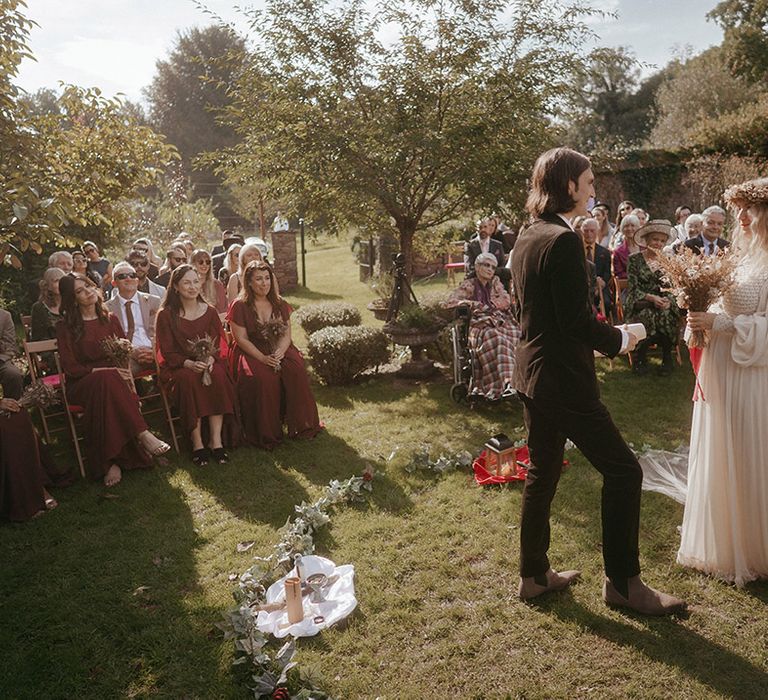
{"points": [[725, 526]]}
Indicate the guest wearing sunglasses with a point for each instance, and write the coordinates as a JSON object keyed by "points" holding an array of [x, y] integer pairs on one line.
{"points": [[176, 255], [98, 264], [136, 312], [140, 262], [212, 290], [80, 267]]}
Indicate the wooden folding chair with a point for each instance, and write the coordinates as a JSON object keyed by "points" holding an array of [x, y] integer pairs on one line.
{"points": [[26, 321], [54, 378], [455, 250], [165, 406]]}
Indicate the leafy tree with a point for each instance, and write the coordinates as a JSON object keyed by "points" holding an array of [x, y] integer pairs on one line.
{"points": [[67, 170], [745, 42], [400, 113], [697, 89], [186, 98]]}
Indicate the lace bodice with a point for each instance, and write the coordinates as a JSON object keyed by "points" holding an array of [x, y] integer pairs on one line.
{"points": [[745, 295]]}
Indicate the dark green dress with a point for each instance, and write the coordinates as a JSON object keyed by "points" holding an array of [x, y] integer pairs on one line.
{"points": [[641, 280]]}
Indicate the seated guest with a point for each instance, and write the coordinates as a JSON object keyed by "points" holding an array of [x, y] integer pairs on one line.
{"points": [[22, 476], [681, 215], [708, 241], [80, 267], [231, 262], [136, 312], [185, 243], [219, 260], [693, 225], [493, 333], [175, 256], [144, 246], [185, 317], [483, 243], [248, 254], [98, 264], [601, 257], [642, 215], [212, 290], [11, 378], [46, 311], [647, 303], [140, 263], [272, 382], [61, 259], [624, 209], [628, 227], [117, 436], [220, 248], [601, 213]]}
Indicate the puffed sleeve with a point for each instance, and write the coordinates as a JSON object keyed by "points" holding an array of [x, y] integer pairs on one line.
{"points": [[749, 334]]}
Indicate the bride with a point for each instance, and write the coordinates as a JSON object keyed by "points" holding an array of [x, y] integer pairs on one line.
{"points": [[725, 526]]}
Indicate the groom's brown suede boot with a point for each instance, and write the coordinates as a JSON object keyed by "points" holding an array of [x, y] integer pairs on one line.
{"points": [[642, 598], [533, 586]]}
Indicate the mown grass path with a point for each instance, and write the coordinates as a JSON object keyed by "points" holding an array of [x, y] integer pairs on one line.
{"points": [[118, 597]]}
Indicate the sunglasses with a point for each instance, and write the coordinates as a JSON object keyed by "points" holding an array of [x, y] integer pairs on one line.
{"points": [[89, 250], [486, 264], [203, 262], [141, 263], [126, 276], [179, 260]]}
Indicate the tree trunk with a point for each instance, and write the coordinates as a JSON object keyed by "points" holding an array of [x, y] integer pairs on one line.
{"points": [[406, 247]]}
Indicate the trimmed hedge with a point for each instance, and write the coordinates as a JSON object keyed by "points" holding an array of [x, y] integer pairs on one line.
{"points": [[339, 353], [314, 317]]}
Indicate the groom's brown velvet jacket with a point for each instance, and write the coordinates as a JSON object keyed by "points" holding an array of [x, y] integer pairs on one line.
{"points": [[554, 358]]}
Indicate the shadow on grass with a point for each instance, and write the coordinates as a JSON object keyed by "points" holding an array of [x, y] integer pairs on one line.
{"points": [[304, 294], [119, 582], [665, 641]]}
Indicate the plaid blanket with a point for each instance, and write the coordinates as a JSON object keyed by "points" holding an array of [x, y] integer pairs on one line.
{"points": [[493, 336]]}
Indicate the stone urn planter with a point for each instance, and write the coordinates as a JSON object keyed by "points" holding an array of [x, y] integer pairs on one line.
{"points": [[379, 308], [416, 339]]}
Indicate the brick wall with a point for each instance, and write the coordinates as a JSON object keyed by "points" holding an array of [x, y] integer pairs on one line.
{"points": [[284, 258]]}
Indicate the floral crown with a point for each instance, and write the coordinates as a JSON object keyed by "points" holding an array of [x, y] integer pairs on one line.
{"points": [[748, 193]]}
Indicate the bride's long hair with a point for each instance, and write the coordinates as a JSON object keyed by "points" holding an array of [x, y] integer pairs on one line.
{"points": [[751, 244]]}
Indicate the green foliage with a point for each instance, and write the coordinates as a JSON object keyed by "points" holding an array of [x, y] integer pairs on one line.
{"points": [[340, 353], [415, 317], [171, 211], [68, 168], [744, 132], [745, 24], [314, 317], [697, 89], [390, 115]]}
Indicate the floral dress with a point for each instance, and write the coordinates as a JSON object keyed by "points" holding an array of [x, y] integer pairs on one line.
{"points": [[643, 280]]}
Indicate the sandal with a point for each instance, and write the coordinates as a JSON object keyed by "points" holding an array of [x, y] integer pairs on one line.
{"points": [[220, 455], [200, 457]]}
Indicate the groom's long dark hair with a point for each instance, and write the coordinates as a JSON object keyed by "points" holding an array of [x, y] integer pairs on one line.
{"points": [[549, 182]]}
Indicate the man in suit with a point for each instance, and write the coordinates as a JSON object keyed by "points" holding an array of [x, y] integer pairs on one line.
{"points": [[555, 379], [136, 312], [483, 243], [11, 378], [140, 263], [709, 241], [175, 255], [601, 258]]}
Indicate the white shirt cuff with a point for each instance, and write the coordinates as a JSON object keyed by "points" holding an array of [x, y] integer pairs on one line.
{"points": [[624, 341]]}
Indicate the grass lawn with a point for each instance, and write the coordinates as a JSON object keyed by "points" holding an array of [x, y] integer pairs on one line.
{"points": [[119, 596]]}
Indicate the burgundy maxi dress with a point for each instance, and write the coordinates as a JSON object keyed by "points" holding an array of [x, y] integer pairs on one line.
{"points": [[267, 398], [111, 416], [22, 476], [193, 399]]}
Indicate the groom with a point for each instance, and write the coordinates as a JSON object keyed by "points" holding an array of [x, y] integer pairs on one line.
{"points": [[555, 378]]}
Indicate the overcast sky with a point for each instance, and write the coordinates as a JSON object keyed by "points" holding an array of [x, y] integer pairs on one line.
{"points": [[113, 44]]}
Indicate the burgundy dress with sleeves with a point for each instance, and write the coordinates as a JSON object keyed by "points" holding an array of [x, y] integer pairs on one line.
{"points": [[193, 399], [111, 416], [267, 398]]}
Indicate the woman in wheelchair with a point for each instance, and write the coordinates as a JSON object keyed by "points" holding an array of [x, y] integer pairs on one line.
{"points": [[493, 332]]}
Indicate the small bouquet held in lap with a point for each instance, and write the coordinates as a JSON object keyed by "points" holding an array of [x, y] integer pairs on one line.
{"points": [[37, 395], [697, 281], [273, 330], [202, 349], [118, 352]]}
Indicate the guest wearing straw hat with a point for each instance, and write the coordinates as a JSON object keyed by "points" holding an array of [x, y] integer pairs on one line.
{"points": [[646, 302]]}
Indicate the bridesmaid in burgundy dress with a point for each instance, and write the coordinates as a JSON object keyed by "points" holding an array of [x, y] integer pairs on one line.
{"points": [[185, 316], [117, 435], [22, 476], [272, 381]]}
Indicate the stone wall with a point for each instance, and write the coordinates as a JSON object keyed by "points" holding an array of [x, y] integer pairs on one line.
{"points": [[285, 259]]}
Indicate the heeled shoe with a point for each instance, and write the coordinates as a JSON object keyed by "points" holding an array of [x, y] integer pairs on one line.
{"points": [[200, 457]]}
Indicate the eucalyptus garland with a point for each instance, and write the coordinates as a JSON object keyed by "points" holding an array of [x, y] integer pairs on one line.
{"points": [[269, 668]]}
